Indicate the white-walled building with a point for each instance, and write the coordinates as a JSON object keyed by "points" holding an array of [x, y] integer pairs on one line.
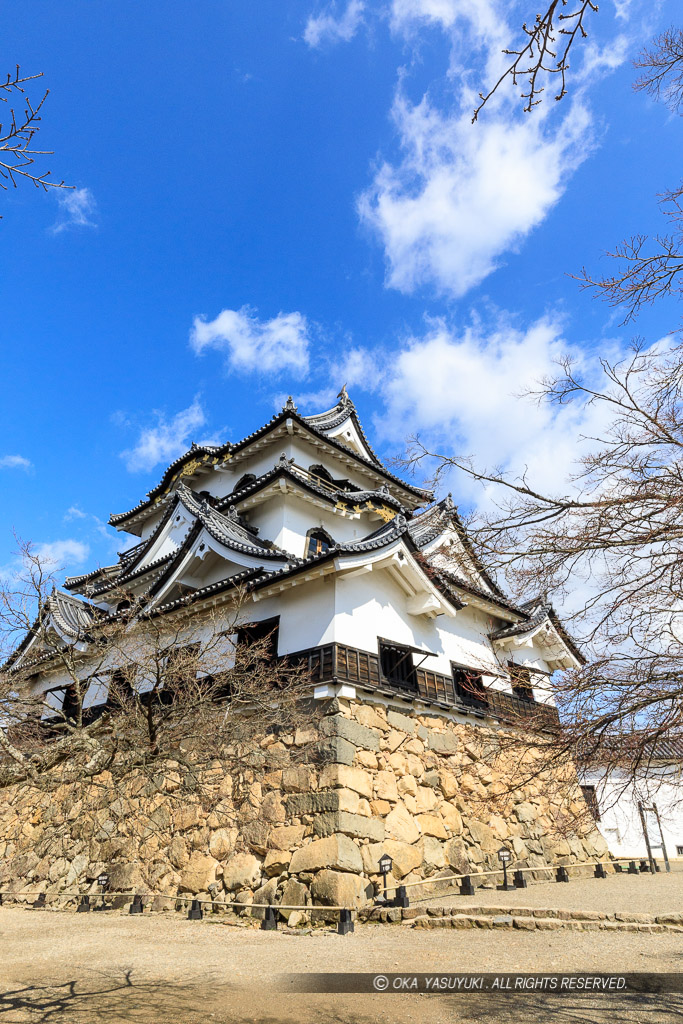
{"points": [[615, 799], [344, 563]]}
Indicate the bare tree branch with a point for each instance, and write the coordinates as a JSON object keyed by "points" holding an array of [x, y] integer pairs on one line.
{"points": [[17, 151], [545, 54]]}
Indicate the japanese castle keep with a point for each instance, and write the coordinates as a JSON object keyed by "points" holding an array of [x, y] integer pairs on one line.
{"points": [[415, 655]]}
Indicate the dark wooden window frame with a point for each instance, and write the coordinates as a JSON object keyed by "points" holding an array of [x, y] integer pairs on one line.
{"points": [[468, 684], [397, 666], [520, 679]]}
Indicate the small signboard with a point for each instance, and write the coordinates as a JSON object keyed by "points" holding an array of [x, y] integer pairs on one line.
{"points": [[504, 855]]}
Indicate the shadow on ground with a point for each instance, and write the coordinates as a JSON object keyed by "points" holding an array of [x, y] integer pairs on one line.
{"points": [[118, 998]]}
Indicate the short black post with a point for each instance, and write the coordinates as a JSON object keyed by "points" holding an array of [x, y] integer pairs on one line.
{"points": [[600, 871], [0, 899], [645, 866], [269, 922], [633, 868], [345, 926], [618, 868], [84, 906], [195, 911], [657, 868], [401, 897], [519, 880], [40, 902], [136, 905], [466, 887], [562, 875]]}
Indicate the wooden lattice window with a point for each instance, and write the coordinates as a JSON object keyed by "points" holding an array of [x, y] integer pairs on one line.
{"points": [[590, 796], [397, 665], [520, 677], [469, 686], [265, 632]]}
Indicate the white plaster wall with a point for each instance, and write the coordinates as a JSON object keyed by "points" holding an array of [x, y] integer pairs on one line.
{"points": [[286, 520], [620, 821]]}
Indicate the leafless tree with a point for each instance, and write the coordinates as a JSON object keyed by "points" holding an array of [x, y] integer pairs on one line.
{"points": [[139, 697], [17, 133], [662, 66], [615, 536]]}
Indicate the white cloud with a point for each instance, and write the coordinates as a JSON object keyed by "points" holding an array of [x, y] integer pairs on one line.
{"points": [[463, 195], [462, 392], [77, 207], [253, 345], [14, 462], [62, 554], [327, 28], [165, 441]]}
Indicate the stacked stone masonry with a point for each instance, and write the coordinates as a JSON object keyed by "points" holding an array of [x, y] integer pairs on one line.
{"points": [[415, 786]]}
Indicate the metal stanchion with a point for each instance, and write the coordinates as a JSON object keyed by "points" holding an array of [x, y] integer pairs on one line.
{"points": [[633, 868], [84, 906], [345, 926], [562, 875], [466, 887], [195, 911], [519, 880], [401, 897], [600, 871], [269, 922], [136, 905], [40, 902]]}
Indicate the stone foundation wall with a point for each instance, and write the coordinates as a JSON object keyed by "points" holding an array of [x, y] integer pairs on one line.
{"points": [[431, 793]]}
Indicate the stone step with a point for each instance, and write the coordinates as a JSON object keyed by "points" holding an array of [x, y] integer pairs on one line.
{"points": [[672, 918], [538, 922]]}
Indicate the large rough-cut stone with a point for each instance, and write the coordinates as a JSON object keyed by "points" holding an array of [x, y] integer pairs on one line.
{"points": [[312, 803], [357, 825], [451, 818], [336, 750], [400, 825], [426, 799], [431, 825], [456, 856], [406, 858], [296, 780], [287, 837], [255, 834], [525, 811], [369, 717], [177, 852], [340, 889], [337, 725], [293, 895], [401, 722], [445, 743], [433, 854], [272, 807], [341, 775], [336, 851], [125, 877], [483, 836], [199, 872], [276, 862], [385, 786], [371, 854], [221, 843], [241, 871]]}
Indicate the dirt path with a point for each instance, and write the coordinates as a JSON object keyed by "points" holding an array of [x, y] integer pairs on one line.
{"points": [[115, 968]]}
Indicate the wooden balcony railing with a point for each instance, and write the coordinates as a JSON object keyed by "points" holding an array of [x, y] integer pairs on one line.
{"points": [[337, 662]]}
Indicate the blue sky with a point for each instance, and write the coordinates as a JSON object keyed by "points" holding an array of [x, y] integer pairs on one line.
{"points": [[278, 197]]}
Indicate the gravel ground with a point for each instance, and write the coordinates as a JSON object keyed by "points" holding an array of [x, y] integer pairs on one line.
{"points": [[164, 969], [635, 894]]}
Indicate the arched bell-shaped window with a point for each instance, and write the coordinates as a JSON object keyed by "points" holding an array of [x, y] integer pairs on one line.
{"points": [[244, 481], [321, 473], [317, 543]]}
